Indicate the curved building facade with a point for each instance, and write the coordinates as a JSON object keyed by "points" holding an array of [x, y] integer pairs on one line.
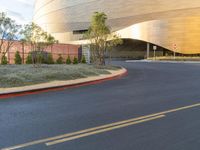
{"points": [[161, 22]]}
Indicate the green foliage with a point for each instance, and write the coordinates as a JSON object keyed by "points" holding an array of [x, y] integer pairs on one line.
{"points": [[39, 58], [43, 59], [29, 59], [9, 32], [39, 40], [59, 60], [4, 60], [75, 61], [18, 59], [50, 59], [68, 61], [99, 33], [83, 60]]}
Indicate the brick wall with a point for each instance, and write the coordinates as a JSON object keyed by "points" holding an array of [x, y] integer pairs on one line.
{"points": [[64, 49]]}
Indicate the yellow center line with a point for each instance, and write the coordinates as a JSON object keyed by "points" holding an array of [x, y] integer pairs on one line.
{"points": [[103, 130], [74, 133], [47, 140]]}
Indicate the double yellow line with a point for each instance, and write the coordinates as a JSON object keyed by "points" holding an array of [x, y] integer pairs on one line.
{"points": [[99, 129], [105, 128]]}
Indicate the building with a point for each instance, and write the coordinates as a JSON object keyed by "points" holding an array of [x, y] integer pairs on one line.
{"points": [[171, 24]]}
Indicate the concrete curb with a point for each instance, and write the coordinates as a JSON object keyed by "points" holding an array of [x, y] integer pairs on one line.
{"points": [[163, 61], [99, 79]]}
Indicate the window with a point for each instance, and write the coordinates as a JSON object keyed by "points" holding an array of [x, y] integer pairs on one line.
{"points": [[80, 31]]}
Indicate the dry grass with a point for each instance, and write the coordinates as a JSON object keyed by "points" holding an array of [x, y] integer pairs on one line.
{"points": [[21, 75]]}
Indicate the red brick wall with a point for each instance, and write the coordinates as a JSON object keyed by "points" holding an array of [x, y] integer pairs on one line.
{"points": [[64, 49]]}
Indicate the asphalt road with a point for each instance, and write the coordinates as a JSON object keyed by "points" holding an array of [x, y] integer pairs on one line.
{"points": [[149, 88]]}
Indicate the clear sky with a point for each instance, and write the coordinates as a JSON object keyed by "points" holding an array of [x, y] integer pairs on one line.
{"points": [[19, 10]]}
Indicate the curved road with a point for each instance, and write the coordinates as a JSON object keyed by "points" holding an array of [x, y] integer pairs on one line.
{"points": [[150, 88]]}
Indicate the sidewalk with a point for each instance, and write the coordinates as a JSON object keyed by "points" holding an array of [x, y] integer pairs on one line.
{"points": [[163, 61], [63, 84]]}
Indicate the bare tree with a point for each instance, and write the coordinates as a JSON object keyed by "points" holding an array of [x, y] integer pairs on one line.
{"points": [[9, 32]]}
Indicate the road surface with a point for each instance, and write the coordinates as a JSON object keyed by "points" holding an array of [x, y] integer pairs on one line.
{"points": [[157, 106]]}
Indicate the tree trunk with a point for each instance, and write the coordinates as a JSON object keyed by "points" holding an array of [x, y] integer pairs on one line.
{"points": [[23, 53]]}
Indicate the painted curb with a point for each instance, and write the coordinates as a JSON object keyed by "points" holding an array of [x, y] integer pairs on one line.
{"points": [[63, 87]]}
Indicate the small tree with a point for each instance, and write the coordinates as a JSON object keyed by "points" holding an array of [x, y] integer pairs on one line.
{"points": [[50, 59], [18, 59], [4, 60], [59, 60], [75, 61], [29, 59], [101, 38], [39, 58], [68, 61], [23, 42], [115, 41], [39, 41], [83, 60], [43, 58], [9, 32]]}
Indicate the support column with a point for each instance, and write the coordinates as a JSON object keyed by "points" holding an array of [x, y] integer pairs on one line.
{"points": [[148, 50], [86, 52]]}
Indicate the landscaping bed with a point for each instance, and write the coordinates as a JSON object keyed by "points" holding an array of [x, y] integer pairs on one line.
{"points": [[23, 75]]}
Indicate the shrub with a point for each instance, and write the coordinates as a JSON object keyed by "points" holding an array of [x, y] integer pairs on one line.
{"points": [[50, 59], [4, 60], [68, 61], [75, 61], [41, 59], [59, 60], [18, 59], [29, 59], [83, 60]]}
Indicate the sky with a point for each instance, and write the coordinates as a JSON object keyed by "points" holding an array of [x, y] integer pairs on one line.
{"points": [[19, 10]]}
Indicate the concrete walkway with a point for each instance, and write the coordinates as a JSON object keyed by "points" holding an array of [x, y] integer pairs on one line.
{"points": [[68, 83], [163, 61]]}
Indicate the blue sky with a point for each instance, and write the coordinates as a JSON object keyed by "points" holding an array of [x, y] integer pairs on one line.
{"points": [[20, 10]]}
